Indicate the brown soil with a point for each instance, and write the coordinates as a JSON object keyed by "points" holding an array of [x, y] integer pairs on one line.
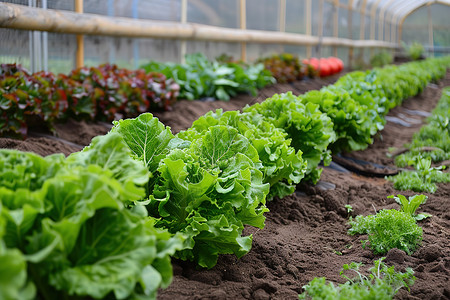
{"points": [[306, 233]]}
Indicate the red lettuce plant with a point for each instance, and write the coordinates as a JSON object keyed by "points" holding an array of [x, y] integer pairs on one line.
{"points": [[97, 93]]}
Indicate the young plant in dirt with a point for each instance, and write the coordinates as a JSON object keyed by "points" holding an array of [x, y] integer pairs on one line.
{"points": [[283, 167], [411, 204], [388, 229], [422, 179], [66, 231], [382, 283]]}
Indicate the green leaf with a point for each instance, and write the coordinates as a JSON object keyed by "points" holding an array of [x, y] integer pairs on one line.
{"points": [[112, 155], [147, 138], [114, 243]]}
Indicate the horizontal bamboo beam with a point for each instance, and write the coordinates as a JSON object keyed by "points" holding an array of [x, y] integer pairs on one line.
{"points": [[29, 18]]}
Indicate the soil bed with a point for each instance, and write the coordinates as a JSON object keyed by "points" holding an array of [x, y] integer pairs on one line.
{"points": [[306, 233]]}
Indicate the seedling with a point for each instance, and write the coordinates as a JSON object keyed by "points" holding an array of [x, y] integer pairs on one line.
{"points": [[411, 204]]}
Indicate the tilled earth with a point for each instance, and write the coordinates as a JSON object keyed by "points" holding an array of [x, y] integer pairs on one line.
{"points": [[306, 233]]}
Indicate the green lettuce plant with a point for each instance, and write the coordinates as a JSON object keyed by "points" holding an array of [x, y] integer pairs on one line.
{"points": [[74, 229], [282, 166], [309, 129], [388, 229], [200, 78], [209, 191]]}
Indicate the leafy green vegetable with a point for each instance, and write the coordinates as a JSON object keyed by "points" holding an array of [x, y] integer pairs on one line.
{"points": [[433, 137], [210, 191], [388, 229], [73, 226], [13, 266], [282, 166], [309, 129], [354, 124], [415, 50], [411, 204], [149, 141], [200, 78], [380, 59], [383, 282]]}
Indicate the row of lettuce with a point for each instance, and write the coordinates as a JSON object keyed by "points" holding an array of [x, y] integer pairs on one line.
{"points": [[431, 144], [108, 93], [105, 221]]}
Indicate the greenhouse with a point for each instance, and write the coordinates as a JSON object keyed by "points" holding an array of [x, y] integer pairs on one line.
{"points": [[224, 149]]}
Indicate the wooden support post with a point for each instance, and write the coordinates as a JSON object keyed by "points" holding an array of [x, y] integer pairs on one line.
{"points": [[282, 15], [79, 59], [373, 11], [183, 44], [362, 27], [350, 32], [381, 20], [335, 24], [308, 20], [243, 23], [430, 30], [320, 29]]}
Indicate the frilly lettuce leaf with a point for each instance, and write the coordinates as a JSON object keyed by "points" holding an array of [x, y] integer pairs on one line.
{"points": [[210, 191], [310, 130], [13, 269], [282, 166], [113, 156], [74, 230]]}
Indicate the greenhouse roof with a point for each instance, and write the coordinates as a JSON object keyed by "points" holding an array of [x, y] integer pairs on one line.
{"points": [[398, 9]]}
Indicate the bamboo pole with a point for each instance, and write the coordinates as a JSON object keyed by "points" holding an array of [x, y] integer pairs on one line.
{"points": [[183, 45], [308, 20], [320, 29], [79, 58], [430, 28], [350, 32], [362, 26], [282, 15], [243, 23], [335, 24], [381, 20], [22, 17]]}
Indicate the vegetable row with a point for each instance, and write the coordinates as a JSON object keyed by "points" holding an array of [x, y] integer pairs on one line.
{"points": [[430, 145], [98, 93], [108, 93], [104, 222]]}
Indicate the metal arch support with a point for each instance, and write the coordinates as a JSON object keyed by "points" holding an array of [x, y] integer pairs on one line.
{"points": [[381, 19], [373, 11], [411, 11], [362, 22]]}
